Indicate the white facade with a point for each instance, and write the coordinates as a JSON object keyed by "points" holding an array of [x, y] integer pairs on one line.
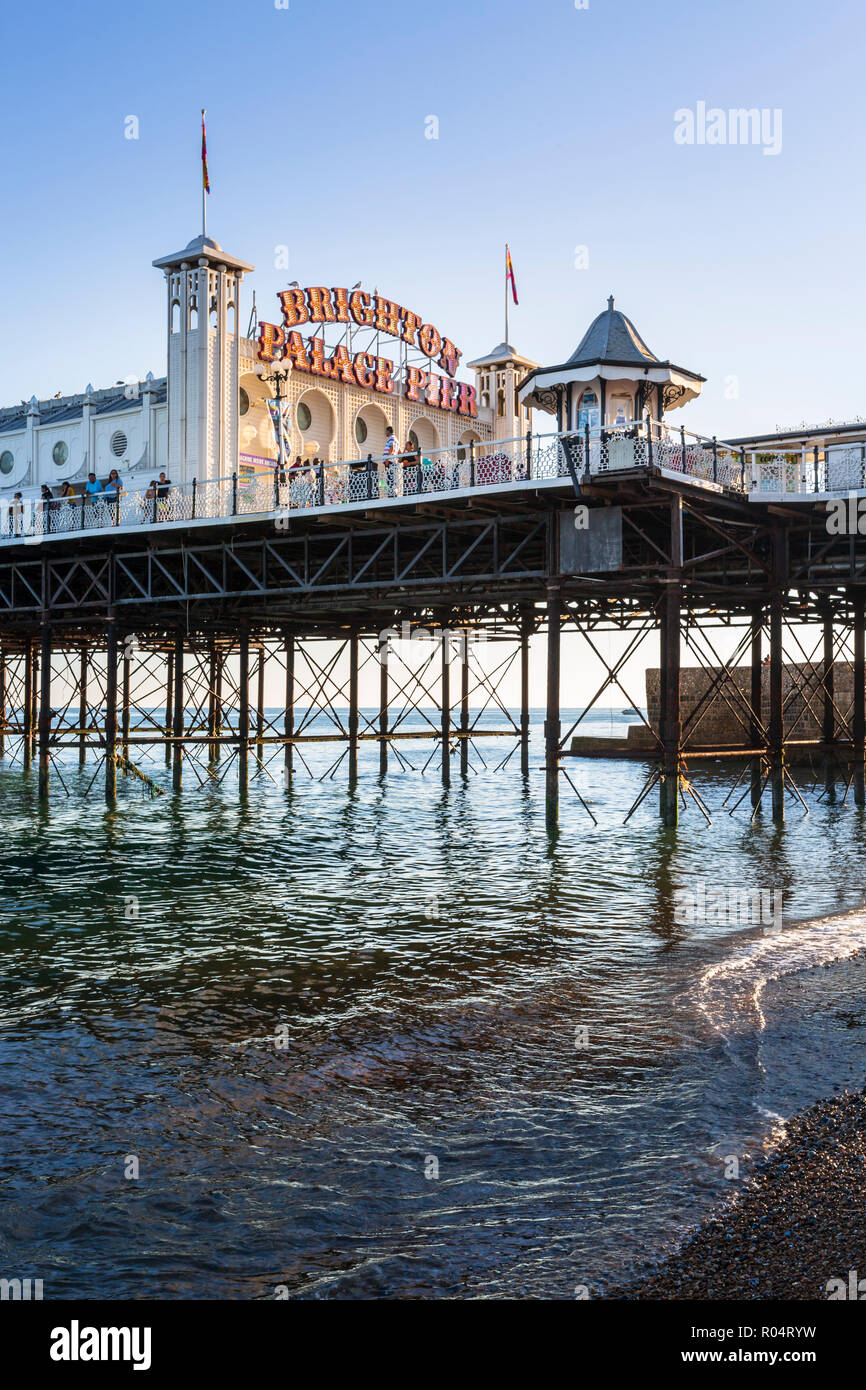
{"points": [[210, 416]]}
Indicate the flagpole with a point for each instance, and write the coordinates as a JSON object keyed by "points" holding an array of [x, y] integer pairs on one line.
{"points": [[203, 188], [506, 291]]}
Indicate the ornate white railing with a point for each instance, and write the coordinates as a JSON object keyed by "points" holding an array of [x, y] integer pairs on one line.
{"points": [[488, 464]]}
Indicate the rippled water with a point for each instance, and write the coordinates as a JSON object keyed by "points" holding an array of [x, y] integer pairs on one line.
{"points": [[338, 1029]]}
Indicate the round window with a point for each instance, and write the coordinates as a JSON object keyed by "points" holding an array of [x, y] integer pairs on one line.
{"points": [[60, 453], [243, 402], [304, 417], [360, 430], [117, 444], [7, 461]]}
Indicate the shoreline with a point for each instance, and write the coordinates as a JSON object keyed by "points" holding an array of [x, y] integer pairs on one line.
{"points": [[798, 1223]]}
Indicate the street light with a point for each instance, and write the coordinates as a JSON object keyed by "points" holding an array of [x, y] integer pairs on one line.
{"points": [[277, 374]]}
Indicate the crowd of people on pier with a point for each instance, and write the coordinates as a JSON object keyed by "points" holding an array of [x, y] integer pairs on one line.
{"points": [[303, 482]]}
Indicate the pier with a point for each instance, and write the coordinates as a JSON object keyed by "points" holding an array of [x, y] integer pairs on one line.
{"points": [[132, 624]]}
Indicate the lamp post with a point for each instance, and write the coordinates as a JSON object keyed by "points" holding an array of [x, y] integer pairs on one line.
{"points": [[277, 374]]}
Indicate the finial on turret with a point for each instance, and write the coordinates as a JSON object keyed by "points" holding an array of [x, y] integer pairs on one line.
{"points": [[610, 301]]}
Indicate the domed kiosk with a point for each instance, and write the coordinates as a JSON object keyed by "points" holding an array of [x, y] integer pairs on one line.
{"points": [[611, 378]]}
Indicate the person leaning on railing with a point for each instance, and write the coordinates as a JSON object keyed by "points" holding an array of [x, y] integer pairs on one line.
{"points": [[411, 469], [46, 507], [113, 489]]}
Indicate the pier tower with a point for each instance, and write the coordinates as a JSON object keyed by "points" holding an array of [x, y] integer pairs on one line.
{"points": [[202, 292]]}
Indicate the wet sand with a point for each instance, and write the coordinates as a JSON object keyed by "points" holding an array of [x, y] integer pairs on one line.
{"points": [[799, 1223]]}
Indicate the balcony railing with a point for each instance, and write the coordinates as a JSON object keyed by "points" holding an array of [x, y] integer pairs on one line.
{"points": [[489, 464]]}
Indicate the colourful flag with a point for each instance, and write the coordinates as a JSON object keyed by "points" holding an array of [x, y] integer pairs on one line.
{"points": [[509, 273], [204, 178]]}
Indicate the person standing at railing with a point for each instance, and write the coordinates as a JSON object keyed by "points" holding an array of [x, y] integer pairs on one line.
{"points": [[113, 489], [389, 469], [411, 469], [46, 507], [163, 487], [92, 490], [16, 514]]}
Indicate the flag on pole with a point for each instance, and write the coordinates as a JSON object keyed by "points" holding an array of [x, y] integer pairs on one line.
{"points": [[204, 178], [509, 273]]}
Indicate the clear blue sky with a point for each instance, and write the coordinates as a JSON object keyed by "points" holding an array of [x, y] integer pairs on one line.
{"points": [[555, 130]]}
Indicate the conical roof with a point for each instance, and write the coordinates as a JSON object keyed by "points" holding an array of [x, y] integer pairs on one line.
{"points": [[611, 337]]}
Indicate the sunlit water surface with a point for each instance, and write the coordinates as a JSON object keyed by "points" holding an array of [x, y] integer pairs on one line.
{"points": [[338, 1032]]}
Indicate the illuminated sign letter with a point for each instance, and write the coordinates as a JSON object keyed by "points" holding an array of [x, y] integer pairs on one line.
{"points": [[432, 397], [359, 303], [449, 358], [447, 393], [429, 341], [296, 351], [341, 305], [343, 366], [319, 300], [467, 404], [416, 380], [294, 308], [411, 324], [365, 368], [317, 358], [387, 316], [384, 375], [270, 337]]}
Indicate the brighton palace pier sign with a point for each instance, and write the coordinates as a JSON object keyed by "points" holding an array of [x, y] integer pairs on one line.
{"points": [[318, 305]]}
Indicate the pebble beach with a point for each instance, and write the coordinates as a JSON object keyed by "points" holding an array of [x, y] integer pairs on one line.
{"points": [[797, 1230]]}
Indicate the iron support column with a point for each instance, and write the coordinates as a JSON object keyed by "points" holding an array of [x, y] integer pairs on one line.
{"points": [[464, 702], [777, 733], [244, 710], [552, 727], [27, 711], [111, 713], [383, 705], [525, 628], [354, 722], [82, 706], [177, 722], [289, 715], [756, 702], [859, 723], [45, 709], [444, 636]]}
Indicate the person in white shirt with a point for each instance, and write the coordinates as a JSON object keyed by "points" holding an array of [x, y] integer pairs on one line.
{"points": [[390, 470]]}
